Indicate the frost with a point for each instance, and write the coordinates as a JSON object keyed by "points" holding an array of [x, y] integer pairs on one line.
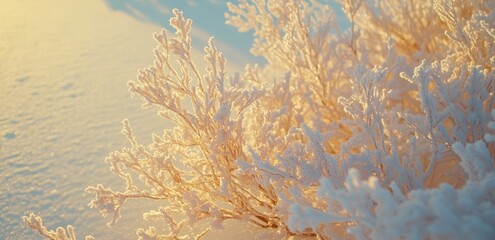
{"points": [[36, 223], [385, 130]]}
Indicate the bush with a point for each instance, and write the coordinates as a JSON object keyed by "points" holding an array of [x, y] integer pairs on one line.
{"points": [[381, 131]]}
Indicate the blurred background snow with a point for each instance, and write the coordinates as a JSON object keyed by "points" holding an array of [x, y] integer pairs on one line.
{"points": [[64, 67]]}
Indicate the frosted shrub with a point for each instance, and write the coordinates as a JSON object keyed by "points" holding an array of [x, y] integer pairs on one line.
{"points": [[385, 130]]}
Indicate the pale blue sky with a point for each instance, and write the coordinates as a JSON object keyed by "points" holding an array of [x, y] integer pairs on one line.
{"points": [[208, 20]]}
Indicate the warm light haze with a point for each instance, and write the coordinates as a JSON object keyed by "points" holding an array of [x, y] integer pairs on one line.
{"points": [[253, 119]]}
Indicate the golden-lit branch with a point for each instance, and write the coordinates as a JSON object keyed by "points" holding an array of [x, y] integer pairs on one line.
{"points": [[384, 130]]}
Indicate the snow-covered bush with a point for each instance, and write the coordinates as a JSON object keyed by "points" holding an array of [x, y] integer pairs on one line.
{"points": [[384, 130]]}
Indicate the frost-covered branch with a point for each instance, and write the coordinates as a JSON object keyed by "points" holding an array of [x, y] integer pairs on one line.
{"points": [[384, 130], [36, 223]]}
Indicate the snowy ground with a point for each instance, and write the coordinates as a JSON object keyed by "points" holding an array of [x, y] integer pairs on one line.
{"points": [[63, 72]]}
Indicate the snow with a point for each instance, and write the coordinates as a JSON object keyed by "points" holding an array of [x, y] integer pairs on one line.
{"points": [[63, 93]]}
